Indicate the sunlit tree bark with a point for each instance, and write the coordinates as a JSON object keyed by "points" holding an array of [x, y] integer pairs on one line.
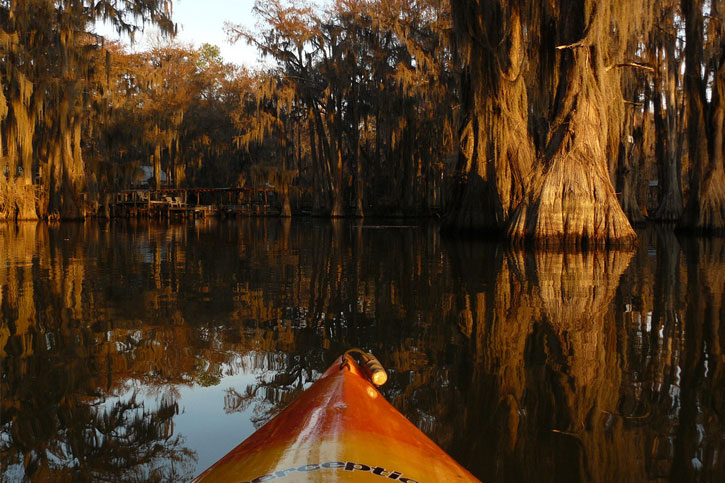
{"points": [[570, 53], [496, 150], [570, 198]]}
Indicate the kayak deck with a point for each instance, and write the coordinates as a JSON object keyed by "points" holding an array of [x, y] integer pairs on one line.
{"points": [[340, 429]]}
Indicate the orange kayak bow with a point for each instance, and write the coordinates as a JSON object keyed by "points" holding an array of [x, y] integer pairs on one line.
{"points": [[340, 429]]}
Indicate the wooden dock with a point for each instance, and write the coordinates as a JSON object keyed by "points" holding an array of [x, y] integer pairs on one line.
{"points": [[194, 202]]}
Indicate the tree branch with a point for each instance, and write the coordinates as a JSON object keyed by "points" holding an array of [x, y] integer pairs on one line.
{"points": [[634, 65]]}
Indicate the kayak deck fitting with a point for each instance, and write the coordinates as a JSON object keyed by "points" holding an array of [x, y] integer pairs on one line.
{"points": [[340, 429]]}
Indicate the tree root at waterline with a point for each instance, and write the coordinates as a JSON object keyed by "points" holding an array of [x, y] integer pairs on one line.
{"points": [[17, 200], [571, 203], [706, 213]]}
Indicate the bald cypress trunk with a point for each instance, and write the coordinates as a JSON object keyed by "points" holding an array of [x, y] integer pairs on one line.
{"points": [[337, 188], [571, 199], [628, 169], [65, 168], [156, 165], [705, 209], [17, 128], [317, 204], [496, 149], [357, 162], [546, 179], [330, 156], [74, 176], [25, 204]]}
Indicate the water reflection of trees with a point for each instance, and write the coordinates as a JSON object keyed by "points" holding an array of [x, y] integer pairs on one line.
{"points": [[579, 363], [541, 358], [283, 378], [522, 365], [699, 442], [88, 440], [57, 371]]}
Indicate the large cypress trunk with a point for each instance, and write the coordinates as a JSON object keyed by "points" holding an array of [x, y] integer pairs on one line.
{"points": [[17, 199], [330, 162], [65, 164], [317, 204], [667, 153], [17, 128], [74, 176], [631, 150], [544, 112], [359, 182], [570, 199], [497, 151], [337, 188]]}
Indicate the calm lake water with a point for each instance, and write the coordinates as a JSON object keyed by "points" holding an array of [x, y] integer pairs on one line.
{"points": [[145, 351]]}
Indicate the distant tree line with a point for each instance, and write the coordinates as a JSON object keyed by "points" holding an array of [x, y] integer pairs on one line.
{"points": [[555, 122], [357, 112], [365, 99]]}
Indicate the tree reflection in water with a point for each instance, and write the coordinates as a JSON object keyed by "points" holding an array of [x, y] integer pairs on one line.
{"points": [[577, 367], [91, 441], [279, 385], [524, 365]]}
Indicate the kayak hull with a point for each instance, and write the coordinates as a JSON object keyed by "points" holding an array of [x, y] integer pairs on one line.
{"points": [[340, 429]]}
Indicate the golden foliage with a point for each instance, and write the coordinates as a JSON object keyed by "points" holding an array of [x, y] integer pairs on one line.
{"points": [[47, 58]]}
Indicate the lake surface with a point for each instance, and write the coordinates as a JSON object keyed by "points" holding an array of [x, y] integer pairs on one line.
{"points": [[145, 351]]}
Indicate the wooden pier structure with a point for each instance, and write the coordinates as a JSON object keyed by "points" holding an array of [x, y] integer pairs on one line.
{"points": [[194, 202]]}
